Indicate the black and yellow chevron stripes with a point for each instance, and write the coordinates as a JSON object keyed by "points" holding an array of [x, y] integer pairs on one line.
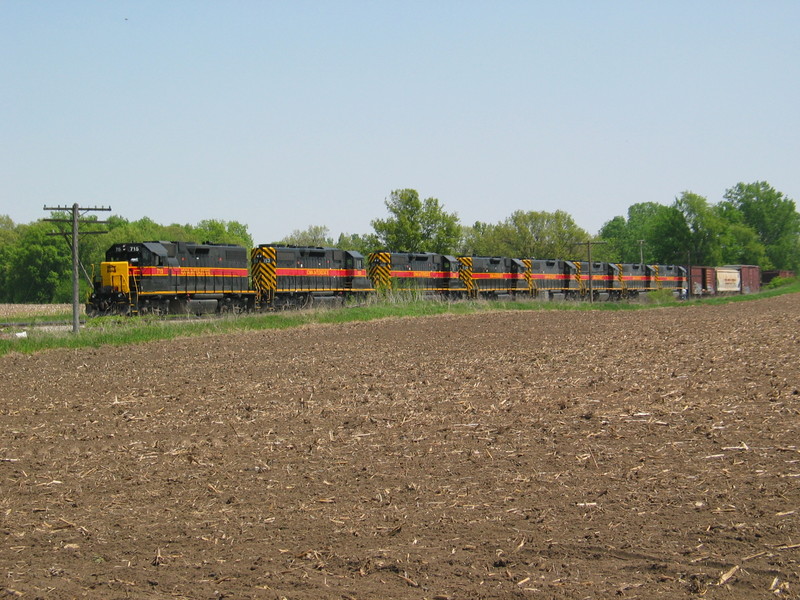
{"points": [[620, 277], [533, 289], [579, 278], [263, 264], [465, 274], [656, 277], [379, 270]]}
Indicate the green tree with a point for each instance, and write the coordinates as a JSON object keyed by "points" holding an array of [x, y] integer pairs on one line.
{"points": [[539, 234], [642, 217], [630, 239], [8, 233], [221, 232], [670, 238], [416, 225], [209, 230], [9, 239], [773, 216], [482, 239], [705, 226], [237, 233], [615, 234], [39, 266], [360, 243], [741, 246], [91, 245], [692, 230], [526, 234], [315, 236]]}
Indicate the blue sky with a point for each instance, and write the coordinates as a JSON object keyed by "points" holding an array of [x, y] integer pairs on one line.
{"points": [[286, 114]]}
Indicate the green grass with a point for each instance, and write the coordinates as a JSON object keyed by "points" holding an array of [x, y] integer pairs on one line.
{"points": [[127, 330], [58, 317]]}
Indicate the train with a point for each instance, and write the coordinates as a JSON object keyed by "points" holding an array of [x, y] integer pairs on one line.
{"points": [[161, 278]]}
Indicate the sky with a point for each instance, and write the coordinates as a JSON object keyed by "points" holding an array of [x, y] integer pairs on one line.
{"points": [[288, 114]]}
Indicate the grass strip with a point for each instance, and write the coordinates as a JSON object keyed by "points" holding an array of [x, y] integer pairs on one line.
{"points": [[105, 331]]}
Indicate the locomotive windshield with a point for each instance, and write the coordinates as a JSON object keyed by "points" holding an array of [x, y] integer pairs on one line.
{"points": [[136, 254]]}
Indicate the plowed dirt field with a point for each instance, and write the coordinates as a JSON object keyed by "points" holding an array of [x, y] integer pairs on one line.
{"points": [[649, 454]]}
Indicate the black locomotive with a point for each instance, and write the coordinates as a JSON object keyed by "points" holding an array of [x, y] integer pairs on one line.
{"points": [[172, 277], [290, 276]]}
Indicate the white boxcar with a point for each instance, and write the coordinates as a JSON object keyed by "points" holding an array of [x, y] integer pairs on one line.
{"points": [[729, 281]]}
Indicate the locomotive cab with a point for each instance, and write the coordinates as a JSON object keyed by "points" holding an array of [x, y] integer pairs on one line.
{"points": [[356, 273], [112, 289]]}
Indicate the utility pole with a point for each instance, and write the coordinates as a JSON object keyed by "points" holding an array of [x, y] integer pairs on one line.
{"points": [[641, 252], [589, 244], [688, 274], [76, 212]]}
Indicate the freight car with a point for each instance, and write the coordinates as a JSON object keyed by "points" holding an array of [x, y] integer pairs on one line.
{"points": [[172, 277], [726, 280], [767, 276], [749, 278]]}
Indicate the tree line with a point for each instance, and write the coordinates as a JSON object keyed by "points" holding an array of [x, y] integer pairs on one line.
{"points": [[752, 224], [36, 258]]}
